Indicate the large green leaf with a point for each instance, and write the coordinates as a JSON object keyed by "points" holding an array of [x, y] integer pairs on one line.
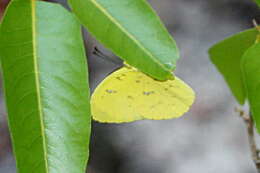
{"points": [[250, 67], [46, 87], [132, 30], [227, 54]]}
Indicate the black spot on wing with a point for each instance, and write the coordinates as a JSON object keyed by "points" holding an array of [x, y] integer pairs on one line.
{"points": [[111, 91], [147, 93], [130, 97], [118, 78]]}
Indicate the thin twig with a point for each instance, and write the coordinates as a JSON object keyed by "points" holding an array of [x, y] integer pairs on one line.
{"points": [[251, 137]]}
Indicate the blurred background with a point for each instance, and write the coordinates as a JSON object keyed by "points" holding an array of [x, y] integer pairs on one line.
{"points": [[211, 138]]}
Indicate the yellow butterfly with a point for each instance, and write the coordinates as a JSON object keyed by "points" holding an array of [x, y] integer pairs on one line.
{"points": [[128, 95]]}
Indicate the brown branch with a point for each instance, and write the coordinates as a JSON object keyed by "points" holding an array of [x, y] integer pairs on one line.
{"points": [[251, 137]]}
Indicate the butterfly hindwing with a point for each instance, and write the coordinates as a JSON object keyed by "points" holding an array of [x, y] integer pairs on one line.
{"points": [[128, 95]]}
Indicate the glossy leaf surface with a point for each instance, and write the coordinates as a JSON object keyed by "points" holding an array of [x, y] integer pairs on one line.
{"points": [[226, 56], [251, 71], [133, 31], [46, 87]]}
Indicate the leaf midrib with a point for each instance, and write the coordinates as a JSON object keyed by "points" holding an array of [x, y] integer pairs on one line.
{"points": [[113, 20], [37, 83]]}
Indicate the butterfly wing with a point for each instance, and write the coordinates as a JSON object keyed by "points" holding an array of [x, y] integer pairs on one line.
{"points": [[128, 95]]}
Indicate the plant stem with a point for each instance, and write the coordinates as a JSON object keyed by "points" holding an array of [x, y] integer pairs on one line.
{"points": [[251, 138]]}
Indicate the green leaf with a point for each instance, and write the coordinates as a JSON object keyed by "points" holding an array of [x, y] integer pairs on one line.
{"points": [[133, 31], [250, 67], [257, 2], [227, 54], [46, 87]]}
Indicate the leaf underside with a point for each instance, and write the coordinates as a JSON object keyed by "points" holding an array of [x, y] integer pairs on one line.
{"points": [[46, 87], [226, 56], [133, 31]]}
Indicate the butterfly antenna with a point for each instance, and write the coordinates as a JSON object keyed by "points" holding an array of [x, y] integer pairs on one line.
{"points": [[100, 54]]}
